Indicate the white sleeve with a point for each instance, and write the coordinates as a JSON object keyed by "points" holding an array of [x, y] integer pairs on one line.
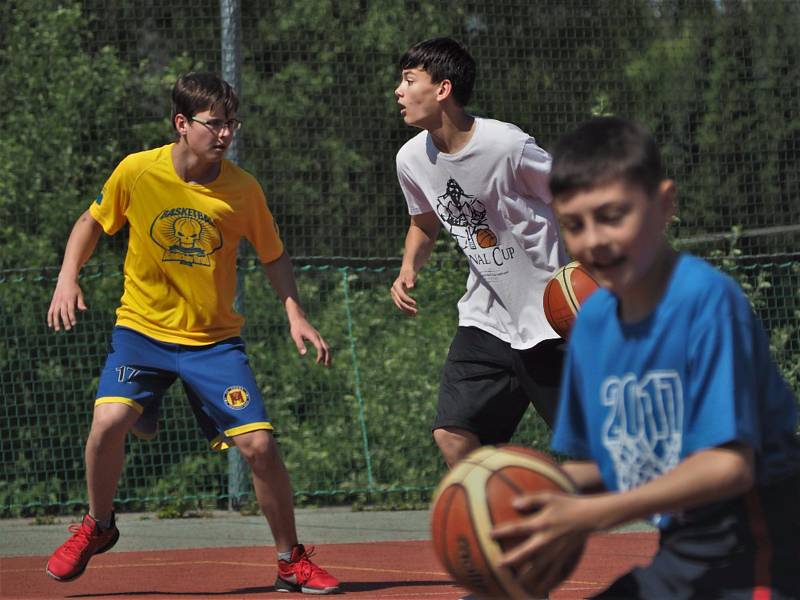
{"points": [[533, 172], [415, 198]]}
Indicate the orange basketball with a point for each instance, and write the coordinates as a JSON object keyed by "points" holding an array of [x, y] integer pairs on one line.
{"points": [[474, 497], [565, 292]]}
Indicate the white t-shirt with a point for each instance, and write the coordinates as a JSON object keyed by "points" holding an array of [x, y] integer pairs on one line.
{"points": [[493, 198]]}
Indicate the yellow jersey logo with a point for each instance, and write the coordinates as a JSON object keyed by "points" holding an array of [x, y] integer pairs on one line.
{"points": [[187, 236]]}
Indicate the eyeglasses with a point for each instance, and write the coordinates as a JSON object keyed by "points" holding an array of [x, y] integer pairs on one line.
{"points": [[217, 125]]}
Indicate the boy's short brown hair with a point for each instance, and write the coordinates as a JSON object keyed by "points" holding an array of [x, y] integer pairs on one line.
{"points": [[603, 150], [444, 58], [196, 92]]}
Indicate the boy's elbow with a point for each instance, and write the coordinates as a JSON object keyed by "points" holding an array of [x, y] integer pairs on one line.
{"points": [[742, 469], [745, 479]]}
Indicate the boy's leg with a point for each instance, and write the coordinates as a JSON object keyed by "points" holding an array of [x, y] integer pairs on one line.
{"points": [[271, 484], [105, 455], [296, 572], [229, 409], [129, 384]]}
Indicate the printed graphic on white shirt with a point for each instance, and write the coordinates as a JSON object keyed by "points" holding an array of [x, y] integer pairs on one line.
{"points": [[464, 215]]}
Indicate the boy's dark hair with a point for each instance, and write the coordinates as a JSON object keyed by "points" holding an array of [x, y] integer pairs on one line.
{"points": [[443, 58], [603, 150], [196, 92]]}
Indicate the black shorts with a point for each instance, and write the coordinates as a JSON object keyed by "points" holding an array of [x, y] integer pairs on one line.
{"points": [[727, 550], [487, 385]]}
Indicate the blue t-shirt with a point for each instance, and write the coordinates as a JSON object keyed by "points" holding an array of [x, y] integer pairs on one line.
{"points": [[637, 398]]}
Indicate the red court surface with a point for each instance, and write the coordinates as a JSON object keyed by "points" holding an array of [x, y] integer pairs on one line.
{"points": [[374, 570]]}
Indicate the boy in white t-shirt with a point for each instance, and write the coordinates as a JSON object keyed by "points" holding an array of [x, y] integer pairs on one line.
{"points": [[486, 182]]}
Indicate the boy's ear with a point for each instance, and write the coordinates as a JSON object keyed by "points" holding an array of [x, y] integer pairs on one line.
{"points": [[181, 123], [668, 197], [444, 89]]}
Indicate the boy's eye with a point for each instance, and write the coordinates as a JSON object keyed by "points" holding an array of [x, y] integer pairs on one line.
{"points": [[611, 216], [571, 226]]}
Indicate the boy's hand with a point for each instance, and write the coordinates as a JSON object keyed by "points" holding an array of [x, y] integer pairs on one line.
{"points": [[555, 531], [66, 298], [301, 330], [402, 300]]}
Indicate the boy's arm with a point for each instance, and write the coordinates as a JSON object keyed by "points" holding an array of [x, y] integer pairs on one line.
{"points": [[420, 239], [68, 295], [704, 477], [281, 275], [707, 476]]}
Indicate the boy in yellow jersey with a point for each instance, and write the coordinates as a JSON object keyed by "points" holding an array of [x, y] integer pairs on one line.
{"points": [[187, 208]]}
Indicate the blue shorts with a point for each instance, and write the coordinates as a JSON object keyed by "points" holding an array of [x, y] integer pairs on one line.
{"points": [[219, 383]]}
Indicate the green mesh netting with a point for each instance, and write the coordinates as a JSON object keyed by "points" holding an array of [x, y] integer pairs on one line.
{"points": [[85, 83]]}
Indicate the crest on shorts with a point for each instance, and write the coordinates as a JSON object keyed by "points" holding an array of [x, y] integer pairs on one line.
{"points": [[236, 397], [186, 235]]}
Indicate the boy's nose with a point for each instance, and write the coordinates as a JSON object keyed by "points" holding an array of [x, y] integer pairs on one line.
{"points": [[593, 237]]}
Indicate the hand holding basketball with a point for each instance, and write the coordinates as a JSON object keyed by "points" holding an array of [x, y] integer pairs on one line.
{"points": [[475, 497], [554, 533]]}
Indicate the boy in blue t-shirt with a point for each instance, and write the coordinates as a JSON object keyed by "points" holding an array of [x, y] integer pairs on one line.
{"points": [[671, 405]]}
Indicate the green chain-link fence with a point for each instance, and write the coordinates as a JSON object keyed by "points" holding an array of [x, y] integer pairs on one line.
{"points": [[86, 82]]}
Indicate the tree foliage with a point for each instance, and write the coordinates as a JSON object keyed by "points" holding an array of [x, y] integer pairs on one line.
{"points": [[86, 82]]}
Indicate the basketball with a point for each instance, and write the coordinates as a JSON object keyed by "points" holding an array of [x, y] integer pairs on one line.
{"points": [[570, 286], [474, 497], [485, 238]]}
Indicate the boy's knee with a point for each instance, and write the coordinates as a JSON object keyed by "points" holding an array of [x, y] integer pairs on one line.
{"points": [[455, 443], [257, 447], [112, 419]]}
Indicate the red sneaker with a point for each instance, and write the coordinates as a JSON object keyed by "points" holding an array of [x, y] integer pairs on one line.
{"points": [[69, 560], [301, 575]]}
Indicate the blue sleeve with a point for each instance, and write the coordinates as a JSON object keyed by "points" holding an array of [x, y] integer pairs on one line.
{"points": [[723, 401], [570, 432]]}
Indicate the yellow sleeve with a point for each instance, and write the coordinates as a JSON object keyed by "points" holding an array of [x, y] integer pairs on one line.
{"points": [[111, 205], [262, 230]]}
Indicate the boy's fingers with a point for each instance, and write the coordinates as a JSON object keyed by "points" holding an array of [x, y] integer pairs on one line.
{"points": [[324, 357], [404, 302], [323, 352], [71, 313], [299, 343], [514, 529], [520, 553], [64, 314], [531, 502]]}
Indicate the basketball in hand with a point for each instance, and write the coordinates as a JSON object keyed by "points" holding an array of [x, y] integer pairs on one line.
{"points": [[473, 498]]}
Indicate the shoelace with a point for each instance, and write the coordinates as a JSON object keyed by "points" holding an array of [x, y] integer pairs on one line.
{"points": [[306, 567], [79, 540]]}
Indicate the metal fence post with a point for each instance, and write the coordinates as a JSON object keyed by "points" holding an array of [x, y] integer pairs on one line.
{"points": [[231, 34]]}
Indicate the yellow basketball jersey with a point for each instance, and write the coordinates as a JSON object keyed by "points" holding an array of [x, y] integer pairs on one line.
{"points": [[180, 268]]}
